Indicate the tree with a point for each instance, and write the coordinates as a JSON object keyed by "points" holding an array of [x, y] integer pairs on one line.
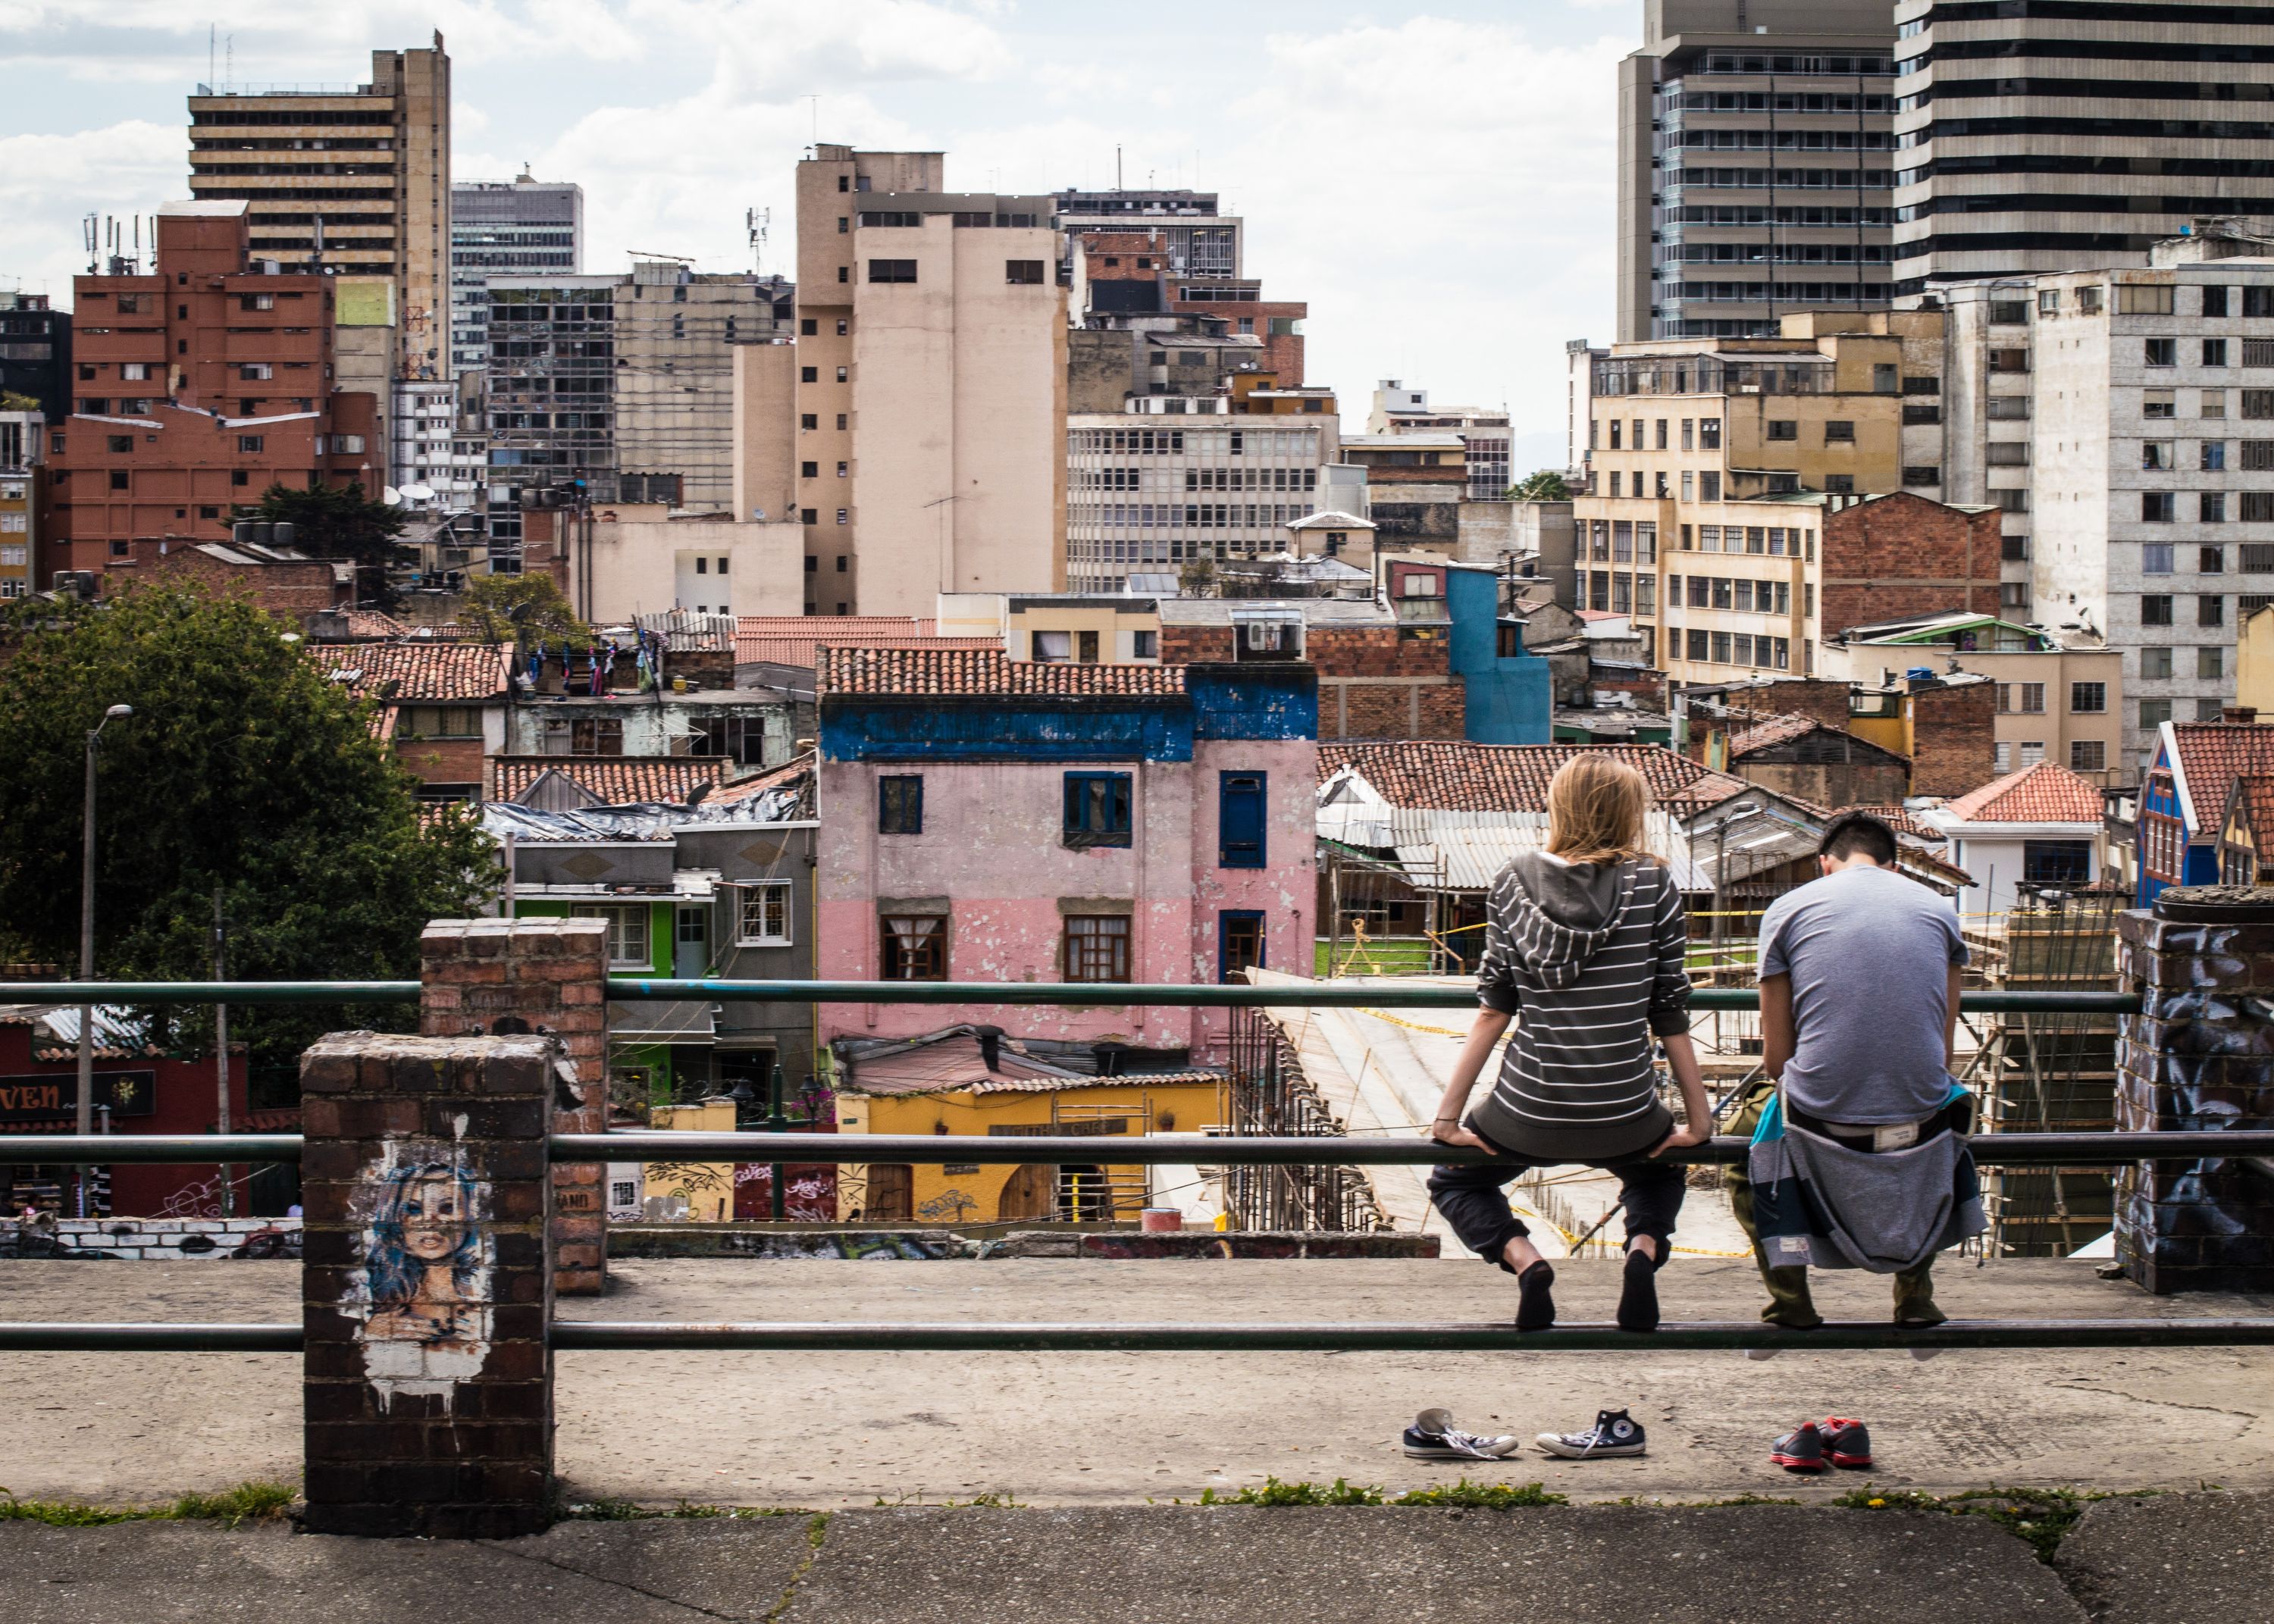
{"points": [[10, 401], [335, 522], [1198, 579], [1546, 486], [511, 608], [242, 770]]}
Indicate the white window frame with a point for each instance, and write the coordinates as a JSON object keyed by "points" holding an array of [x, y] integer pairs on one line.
{"points": [[621, 917], [753, 896]]}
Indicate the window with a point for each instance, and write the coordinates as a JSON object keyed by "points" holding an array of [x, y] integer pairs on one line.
{"points": [[2214, 352], [2144, 298], [1019, 273], [2032, 752], [809, 419], [2001, 757], [915, 947], [2211, 506], [702, 565], [256, 301], [1921, 474], [2155, 664], [844, 374], [2156, 609], [1097, 947], [256, 371], [2013, 549], [809, 374], [2257, 558], [2087, 698], [2156, 456], [1783, 428], [1053, 647], [628, 931], [2210, 664], [2009, 313], [252, 443], [1085, 645], [891, 270], [2088, 755], [441, 722], [1144, 645], [764, 915], [2032, 698], [1096, 809], [118, 442], [1709, 485], [2214, 301], [1840, 484], [2056, 862], [1239, 809], [1709, 435], [2211, 454], [118, 480], [1239, 942], [2213, 403], [1838, 430], [899, 804], [2159, 404], [809, 471], [2157, 507], [2211, 560], [2210, 611]]}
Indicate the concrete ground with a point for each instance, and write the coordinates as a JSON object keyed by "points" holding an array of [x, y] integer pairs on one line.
{"points": [[2194, 1560], [827, 1431]]}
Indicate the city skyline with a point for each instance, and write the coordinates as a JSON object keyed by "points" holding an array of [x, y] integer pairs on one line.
{"points": [[1487, 223]]}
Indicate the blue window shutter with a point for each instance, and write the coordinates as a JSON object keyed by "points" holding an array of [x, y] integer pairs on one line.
{"points": [[1239, 820]]}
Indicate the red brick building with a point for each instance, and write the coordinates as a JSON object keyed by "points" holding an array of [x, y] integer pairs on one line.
{"points": [[194, 389], [1240, 302], [1903, 555]]}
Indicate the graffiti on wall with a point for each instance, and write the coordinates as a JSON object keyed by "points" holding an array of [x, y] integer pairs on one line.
{"points": [[423, 1288]]}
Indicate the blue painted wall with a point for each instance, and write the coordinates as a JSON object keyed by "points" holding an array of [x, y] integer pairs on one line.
{"points": [[1258, 701], [1510, 701]]}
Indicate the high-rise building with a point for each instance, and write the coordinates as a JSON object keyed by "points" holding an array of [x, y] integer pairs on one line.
{"points": [[1755, 142], [522, 227], [1398, 410], [1200, 240], [2035, 137], [199, 385], [931, 386], [35, 352], [346, 177]]}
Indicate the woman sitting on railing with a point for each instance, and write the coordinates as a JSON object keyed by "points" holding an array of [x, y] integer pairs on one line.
{"points": [[1587, 939]]}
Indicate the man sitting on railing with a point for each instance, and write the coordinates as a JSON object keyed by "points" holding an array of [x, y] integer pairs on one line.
{"points": [[1859, 1157]]}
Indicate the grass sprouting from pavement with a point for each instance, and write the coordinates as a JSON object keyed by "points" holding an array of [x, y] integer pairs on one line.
{"points": [[246, 1502], [605, 1509], [2043, 1517], [1342, 1491]]}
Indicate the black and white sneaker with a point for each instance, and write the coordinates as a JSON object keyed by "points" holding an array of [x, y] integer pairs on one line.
{"points": [[1433, 1436], [1615, 1433]]}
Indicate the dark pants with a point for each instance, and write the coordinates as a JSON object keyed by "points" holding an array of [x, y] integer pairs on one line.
{"points": [[1475, 1201]]}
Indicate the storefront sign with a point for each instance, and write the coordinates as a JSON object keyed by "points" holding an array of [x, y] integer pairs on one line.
{"points": [[56, 1098]]}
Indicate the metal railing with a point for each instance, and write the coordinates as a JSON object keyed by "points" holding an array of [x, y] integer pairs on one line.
{"points": [[2017, 1149]]}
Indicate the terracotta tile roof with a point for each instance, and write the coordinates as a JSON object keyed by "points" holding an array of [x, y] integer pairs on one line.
{"points": [[985, 672], [372, 623], [2255, 791], [2212, 754], [618, 780], [1513, 778], [951, 1062], [1776, 729], [795, 772], [419, 670], [2045, 793], [1903, 821]]}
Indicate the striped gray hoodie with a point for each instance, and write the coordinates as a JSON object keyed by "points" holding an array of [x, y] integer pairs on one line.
{"points": [[1589, 959]]}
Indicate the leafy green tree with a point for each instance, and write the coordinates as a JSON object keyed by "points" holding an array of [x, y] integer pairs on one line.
{"points": [[510, 608], [334, 521], [242, 770], [1546, 486], [10, 401]]}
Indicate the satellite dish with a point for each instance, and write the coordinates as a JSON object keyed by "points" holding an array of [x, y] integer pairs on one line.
{"points": [[419, 493], [389, 495]]}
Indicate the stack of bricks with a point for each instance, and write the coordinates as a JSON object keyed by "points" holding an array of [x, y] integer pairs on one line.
{"points": [[2197, 1058], [548, 975], [426, 1293]]}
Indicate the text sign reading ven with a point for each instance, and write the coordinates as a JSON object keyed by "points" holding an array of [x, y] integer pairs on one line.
{"points": [[56, 1099]]}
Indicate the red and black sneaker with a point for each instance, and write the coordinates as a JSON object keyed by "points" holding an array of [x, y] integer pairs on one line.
{"points": [[1846, 1441], [1801, 1450]]}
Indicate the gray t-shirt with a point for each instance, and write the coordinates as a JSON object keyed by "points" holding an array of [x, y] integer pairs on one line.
{"points": [[1869, 953]]}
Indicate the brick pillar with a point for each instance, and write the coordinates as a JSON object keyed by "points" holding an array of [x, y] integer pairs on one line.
{"points": [[548, 975], [2199, 1057], [426, 1291]]}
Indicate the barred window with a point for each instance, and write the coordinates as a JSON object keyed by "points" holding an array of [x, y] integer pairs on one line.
{"points": [[1097, 947], [2258, 402]]}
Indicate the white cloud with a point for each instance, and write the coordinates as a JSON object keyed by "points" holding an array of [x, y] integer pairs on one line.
{"points": [[48, 183]]}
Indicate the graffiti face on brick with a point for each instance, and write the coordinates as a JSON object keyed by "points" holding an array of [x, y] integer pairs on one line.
{"points": [[422, 1291]]}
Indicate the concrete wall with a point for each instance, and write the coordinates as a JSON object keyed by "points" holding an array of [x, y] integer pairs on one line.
{"points": [[993, 857], [765, 432], [644, 566]]}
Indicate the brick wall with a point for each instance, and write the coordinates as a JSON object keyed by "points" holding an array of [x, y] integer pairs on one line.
{"points": [[1187, 645], [1903, 555], [1953, 736], [425, 1294], [494, 975], [442, 761]]}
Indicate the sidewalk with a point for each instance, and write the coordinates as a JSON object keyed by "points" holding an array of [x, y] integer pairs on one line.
{"points": [[835, 1431], [2196, 1560]]}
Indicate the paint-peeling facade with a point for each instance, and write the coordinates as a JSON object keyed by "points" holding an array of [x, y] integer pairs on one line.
{"points": [[987, 821]]}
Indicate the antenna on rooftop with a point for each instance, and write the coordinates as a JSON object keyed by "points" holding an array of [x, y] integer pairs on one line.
{"points": [[87, 230], [755, 222]]}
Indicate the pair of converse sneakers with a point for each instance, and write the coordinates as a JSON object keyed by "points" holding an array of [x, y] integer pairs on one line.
{"points": [[1433, 1436]]}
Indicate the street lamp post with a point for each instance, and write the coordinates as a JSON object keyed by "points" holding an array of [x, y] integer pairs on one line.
{"points": [[85, 1114]]}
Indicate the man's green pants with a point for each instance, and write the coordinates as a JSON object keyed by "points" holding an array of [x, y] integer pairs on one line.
{"points": [[1789, 1303]]}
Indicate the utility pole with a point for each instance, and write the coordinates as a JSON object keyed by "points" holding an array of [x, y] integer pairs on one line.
{"points": [[221, 1056], [85, 1122], [776, 1123]]}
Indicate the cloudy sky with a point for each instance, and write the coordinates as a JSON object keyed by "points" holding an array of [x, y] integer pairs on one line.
{"points": [[1436, 183]]}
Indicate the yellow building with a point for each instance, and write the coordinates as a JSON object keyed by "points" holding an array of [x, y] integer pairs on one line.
{"points": [[20, 445], [967, 1080], [2254, 662], [1728, 446], [706, 1187]]}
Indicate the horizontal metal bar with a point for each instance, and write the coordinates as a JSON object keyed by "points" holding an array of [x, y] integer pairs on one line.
{"points": [[606, 1336], [1136, 1150], [624, 1336], [186, 1149], [1182, 1149], [209, 992], [75, 1336], [636, 990]]}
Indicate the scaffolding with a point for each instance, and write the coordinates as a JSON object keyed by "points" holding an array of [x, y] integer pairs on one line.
{"points": [[1271, 1096], [2046, 1073]]}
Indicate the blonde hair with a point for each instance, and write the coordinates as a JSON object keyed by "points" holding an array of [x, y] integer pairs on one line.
{"points": [[1595, 807]]}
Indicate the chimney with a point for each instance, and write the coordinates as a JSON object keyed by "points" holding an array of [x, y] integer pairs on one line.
{"points": [[990, 1046], [2241, 715]]}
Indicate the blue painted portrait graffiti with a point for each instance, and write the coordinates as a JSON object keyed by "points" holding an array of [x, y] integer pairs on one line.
{"points": [[423, 1292]]}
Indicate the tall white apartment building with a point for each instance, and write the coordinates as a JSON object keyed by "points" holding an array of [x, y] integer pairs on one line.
{"points": [[1147, 490], [2124, 420]]}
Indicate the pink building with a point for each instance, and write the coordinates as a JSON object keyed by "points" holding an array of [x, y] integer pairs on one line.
{"points": [[985, 819]]}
